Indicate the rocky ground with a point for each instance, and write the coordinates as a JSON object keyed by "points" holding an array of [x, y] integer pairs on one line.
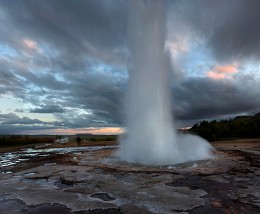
{"points": [[92, 180]]}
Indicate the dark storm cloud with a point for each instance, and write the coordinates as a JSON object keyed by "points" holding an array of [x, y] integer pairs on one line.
{"points": [[100, 94], [203, 98], [13, 124], [239, 35], [74, 28], [8, 80], [68, 58], [8, 119], [57, 43], [231, 28], [48, 109], [47, 81]]}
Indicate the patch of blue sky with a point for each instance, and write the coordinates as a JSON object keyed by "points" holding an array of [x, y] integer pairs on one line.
{"points": [[101, 68], [198, 60], [118, 73], [59, 77], [250, 68], [39, 116], [35, 90], [9, 103], [49, 50], [79, 111], [46, 117], [7, 51], [40, 69]]}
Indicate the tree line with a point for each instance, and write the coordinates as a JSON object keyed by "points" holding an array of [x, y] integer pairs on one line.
{"points": [[20, 140], [239, 127]]}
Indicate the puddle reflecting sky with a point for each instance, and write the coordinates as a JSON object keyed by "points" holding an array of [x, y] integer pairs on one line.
{"points": [[10, 159]]}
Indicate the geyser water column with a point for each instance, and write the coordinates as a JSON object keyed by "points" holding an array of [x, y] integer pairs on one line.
{"points": [[150, 132], [151, 137]]}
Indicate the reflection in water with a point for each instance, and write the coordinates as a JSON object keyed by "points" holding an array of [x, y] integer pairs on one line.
{"points": [[11, 159]]}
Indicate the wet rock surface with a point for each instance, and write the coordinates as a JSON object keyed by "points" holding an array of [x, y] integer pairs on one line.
{"points": [[102, 196], [94, 181]]}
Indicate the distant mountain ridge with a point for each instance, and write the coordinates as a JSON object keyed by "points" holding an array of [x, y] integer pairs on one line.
{"points": [[247, 116], [257, 115], [240, 127]]}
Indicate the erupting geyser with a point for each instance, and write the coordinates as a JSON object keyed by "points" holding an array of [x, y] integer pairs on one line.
{"points": [[151, 137]]}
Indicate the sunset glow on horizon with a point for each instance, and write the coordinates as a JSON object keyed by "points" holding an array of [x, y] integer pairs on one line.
{"points": [[91, 130]]}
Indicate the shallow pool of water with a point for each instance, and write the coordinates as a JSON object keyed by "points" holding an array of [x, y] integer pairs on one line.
{"points": [[11, 159]]}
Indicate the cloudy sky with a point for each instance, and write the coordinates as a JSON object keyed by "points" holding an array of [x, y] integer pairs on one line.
{"points": [[63, 63]]}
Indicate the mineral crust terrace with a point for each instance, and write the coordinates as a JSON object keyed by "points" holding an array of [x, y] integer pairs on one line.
{"points": [[94, 181]]}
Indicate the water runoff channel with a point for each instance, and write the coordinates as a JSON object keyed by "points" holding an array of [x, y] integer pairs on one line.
{"points": [[9, 160]]}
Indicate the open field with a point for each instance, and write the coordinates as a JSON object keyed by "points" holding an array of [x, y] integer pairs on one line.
{"points": [[241, 143]]}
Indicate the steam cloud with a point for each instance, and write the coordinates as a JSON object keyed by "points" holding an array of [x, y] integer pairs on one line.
{"points": [[151, 137]]}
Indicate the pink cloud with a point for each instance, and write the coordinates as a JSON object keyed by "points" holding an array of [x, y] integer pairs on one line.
{"points": [[226, 69], [30, 44], [222, 72], [214, 75]]}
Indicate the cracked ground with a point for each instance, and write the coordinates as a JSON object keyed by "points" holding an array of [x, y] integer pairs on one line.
{"points": [[92, 180]]}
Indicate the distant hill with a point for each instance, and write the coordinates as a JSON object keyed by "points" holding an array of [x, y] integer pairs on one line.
{"points": [[257, 115], [239, 127], [243, 117]]}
